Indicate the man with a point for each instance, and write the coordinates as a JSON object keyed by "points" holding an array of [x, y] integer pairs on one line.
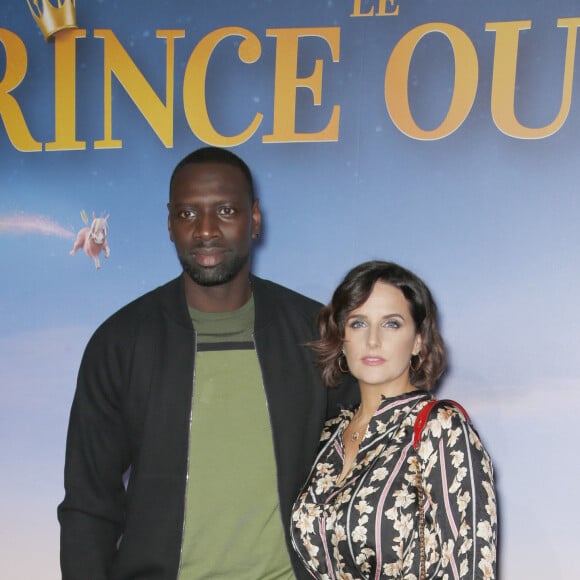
{"points": [[198, 407]]}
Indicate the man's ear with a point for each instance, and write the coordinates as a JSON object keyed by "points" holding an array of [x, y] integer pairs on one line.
{"points": [[256, 219], [169, 222]]}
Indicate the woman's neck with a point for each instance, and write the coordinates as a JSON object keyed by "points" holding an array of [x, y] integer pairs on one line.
{"points": [[371, 397]]}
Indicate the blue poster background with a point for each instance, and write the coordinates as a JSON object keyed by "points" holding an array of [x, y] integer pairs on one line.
{"points": [[488, 219]]}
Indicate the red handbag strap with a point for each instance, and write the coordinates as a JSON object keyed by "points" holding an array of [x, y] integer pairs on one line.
{"points": [[423, 416]]}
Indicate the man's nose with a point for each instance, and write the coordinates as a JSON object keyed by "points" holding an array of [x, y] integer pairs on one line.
{"points": [[206, 226]]}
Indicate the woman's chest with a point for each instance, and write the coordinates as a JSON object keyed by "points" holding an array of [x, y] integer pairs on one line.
{"points": [[384, 474]]}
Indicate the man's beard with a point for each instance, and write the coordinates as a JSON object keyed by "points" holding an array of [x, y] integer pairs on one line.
{"points": [[214, 275]]}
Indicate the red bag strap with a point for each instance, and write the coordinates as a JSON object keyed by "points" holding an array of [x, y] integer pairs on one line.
{"points": [[423, 416]]}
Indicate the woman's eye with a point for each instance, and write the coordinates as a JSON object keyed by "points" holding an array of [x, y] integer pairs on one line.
{"points": [[356, 324], [392, 324]]}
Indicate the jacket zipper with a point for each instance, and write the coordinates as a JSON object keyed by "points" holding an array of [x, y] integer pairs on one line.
{"points": [[273, 444], [187, 461]]}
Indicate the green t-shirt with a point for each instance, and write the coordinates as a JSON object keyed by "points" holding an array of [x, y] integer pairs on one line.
{"points": [[233, 528]]}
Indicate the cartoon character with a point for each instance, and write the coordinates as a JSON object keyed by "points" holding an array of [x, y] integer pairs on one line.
{"points": [[93, 239]]}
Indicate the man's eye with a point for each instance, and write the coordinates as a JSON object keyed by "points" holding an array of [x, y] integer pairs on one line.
{"points": [[186, 214], [226, 211]]}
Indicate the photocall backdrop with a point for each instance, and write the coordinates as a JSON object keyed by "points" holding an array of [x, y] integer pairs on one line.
{"points": [[443, 135]]}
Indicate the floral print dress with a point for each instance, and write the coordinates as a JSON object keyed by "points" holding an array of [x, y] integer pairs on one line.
{"points": [[367, 526]]}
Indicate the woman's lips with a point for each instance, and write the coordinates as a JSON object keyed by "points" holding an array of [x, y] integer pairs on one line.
{"points": [[373, 361]]}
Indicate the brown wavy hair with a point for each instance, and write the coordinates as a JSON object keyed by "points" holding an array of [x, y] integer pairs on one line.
{"points": [[427, 367]]}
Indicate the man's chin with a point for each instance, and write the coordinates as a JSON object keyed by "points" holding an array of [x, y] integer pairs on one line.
{"points": [[209, 276], [214, 275]]}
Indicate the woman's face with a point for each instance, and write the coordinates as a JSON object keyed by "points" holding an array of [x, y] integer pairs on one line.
{"points": [[379, 340]]}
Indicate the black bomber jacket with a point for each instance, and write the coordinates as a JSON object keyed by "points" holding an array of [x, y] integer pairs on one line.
{"points": [[130, 422]]}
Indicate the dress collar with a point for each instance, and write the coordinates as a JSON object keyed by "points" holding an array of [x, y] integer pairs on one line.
{"points": [[390, 411]]}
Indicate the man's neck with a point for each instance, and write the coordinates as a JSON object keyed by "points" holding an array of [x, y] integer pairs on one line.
{"points": [[219, 298]]}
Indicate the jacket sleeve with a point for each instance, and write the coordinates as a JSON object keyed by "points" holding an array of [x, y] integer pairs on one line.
{"points": [[460, 507], [97, 456]]}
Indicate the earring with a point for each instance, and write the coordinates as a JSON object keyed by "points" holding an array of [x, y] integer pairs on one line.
{"points": [[340, 365], [418, 365]]}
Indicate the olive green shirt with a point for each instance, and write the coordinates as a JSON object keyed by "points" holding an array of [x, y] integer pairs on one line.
{"points": [[233, 527]]}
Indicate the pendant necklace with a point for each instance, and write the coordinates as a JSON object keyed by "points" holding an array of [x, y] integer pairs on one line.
{"points": [[355, 436]]}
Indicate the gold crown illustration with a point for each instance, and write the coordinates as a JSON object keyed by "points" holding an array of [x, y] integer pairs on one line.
{"points": [[52, 18]]}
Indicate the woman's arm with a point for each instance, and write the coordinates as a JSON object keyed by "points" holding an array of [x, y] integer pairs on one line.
{"points": [[460, 507]]}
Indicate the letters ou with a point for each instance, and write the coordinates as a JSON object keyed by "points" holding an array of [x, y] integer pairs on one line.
{"points": [[466, 80]]}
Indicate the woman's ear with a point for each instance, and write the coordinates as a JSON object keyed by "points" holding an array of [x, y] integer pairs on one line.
{"points": [[417, 345]]}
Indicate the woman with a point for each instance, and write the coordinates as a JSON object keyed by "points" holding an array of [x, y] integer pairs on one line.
{"points": [[373, 505]]}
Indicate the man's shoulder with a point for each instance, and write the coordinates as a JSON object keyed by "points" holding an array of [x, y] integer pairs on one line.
{"points": [[272, 292], [150, 304]]}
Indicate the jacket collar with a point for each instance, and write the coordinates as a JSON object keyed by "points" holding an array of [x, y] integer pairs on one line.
{"points": [[175, 304]]}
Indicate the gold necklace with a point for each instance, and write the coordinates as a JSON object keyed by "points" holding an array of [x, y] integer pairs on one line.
{"points": [[355, 436]]}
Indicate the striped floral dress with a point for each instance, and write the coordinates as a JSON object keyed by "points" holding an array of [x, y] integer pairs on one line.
{"points": [[368, 525]]}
